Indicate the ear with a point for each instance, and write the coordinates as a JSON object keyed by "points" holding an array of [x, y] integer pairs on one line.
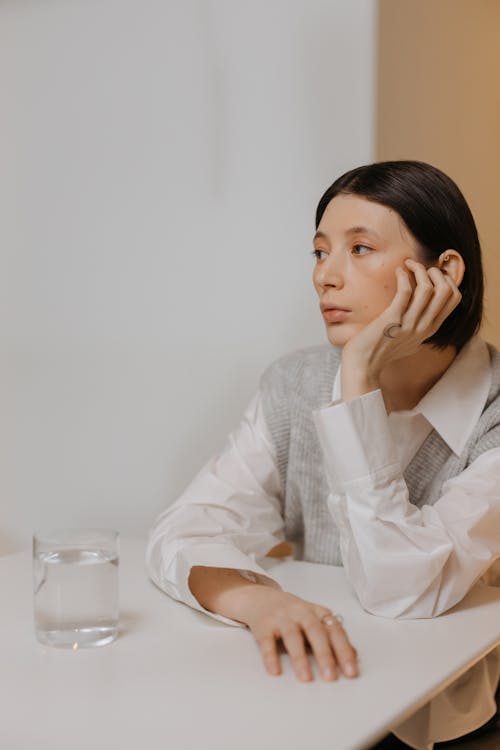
{"points": [[452, 264]]}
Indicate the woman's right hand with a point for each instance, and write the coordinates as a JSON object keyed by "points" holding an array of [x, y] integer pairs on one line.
{"points": [[273, 615]]}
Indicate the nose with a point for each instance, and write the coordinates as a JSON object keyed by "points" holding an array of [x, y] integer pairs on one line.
{"points": [[330, 272]]}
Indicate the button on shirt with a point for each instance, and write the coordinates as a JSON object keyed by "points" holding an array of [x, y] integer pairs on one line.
{"points": [[230, 516]]}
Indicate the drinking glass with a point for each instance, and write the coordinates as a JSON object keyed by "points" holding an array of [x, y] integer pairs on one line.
{"points": [[75, 584]]}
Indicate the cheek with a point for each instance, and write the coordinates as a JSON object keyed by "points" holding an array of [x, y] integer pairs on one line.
{"points": [[378, 290], [315, 279]]}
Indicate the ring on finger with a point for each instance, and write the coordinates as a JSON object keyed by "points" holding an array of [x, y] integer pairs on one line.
{"points": [[330, 618]]}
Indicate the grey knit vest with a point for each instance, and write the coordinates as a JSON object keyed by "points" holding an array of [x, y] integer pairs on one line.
{"points": [[299, 383]]}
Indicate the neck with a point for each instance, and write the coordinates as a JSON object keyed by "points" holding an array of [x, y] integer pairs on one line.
{"points": [[405, 381]]}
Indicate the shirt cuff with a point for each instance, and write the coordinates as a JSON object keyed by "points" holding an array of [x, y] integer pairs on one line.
{"points": [[217, 556], [355, 439]]}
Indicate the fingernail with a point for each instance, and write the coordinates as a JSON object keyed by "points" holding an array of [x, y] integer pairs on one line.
{"points": [[328, 673], [304, 674], [350, 669]]}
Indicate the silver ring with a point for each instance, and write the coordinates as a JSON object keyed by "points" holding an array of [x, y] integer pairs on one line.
{"points": [[330, 618]]}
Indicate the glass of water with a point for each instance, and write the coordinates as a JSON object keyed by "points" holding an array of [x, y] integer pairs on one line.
{"points": [[75, 583]]}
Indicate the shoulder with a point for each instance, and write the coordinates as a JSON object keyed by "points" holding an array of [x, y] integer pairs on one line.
{"points": [[494, 394], [486, 434], [308, 364]]}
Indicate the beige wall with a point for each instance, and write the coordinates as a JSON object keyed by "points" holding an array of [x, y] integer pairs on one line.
{"points": [[439, 101]]}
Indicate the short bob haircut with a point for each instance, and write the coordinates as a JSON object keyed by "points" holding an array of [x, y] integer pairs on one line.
{"points": [[438, 216]]}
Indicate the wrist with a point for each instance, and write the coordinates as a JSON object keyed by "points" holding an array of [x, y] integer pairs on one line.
{"points": [[359, 376], [238, 603], [223, 591], [353, 387]]}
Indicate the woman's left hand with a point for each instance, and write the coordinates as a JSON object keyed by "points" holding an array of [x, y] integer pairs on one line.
{"points": [[416, 313]]}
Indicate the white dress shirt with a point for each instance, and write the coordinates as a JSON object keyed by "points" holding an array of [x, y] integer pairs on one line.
{"points": [[229, 516]]}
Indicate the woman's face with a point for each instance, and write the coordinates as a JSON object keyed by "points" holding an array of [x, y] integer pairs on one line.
{"points": [[358, 246]]}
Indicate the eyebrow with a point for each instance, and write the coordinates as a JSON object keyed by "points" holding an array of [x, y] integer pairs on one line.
{"points": [[351, 230]]}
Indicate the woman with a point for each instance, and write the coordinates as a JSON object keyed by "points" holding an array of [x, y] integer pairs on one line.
{"points": [[379, 451]]}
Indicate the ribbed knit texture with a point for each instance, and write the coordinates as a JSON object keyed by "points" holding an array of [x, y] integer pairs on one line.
{"points": [[299, 383]]}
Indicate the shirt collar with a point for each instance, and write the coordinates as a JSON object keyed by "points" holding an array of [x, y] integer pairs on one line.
{"points": [[455, 403]]}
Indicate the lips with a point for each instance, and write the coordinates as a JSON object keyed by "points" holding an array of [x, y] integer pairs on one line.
{"points": [[334, 314]]}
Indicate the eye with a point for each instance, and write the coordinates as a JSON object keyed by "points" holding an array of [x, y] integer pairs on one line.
{"points": [[361, 250], [319, 254]]}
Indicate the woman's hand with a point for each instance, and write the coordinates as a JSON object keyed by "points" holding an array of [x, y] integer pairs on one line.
{"points": [[274, 615], [416, 313]]}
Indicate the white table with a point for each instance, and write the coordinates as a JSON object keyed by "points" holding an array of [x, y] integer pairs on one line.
{"points": [[178, 679]]}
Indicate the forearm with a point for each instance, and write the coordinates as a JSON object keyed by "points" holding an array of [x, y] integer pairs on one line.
{"points": [[222, 591], [405, 560]]}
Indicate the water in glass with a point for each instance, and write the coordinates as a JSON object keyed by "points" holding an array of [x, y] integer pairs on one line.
{"points": [[76, 597]]}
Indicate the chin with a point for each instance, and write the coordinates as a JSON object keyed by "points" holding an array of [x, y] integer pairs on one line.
{"points": [[339, 334]]}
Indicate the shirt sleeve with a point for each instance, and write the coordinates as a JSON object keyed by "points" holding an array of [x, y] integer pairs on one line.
{"points": [[228, 517], [404, 561]]}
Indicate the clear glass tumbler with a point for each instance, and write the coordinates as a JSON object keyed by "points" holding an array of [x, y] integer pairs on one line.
{"points": [[75, 584]]}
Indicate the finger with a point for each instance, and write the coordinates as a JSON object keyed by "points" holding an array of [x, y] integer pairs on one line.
{"points": [[438, 303], [453, 302], [269, 652], [346, 654], [422, 295], [319, 641], [446, 298], [455, 291], [293, 641]]}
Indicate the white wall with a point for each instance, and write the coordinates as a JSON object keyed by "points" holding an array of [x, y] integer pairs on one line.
{"points": [[161, 163]]}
